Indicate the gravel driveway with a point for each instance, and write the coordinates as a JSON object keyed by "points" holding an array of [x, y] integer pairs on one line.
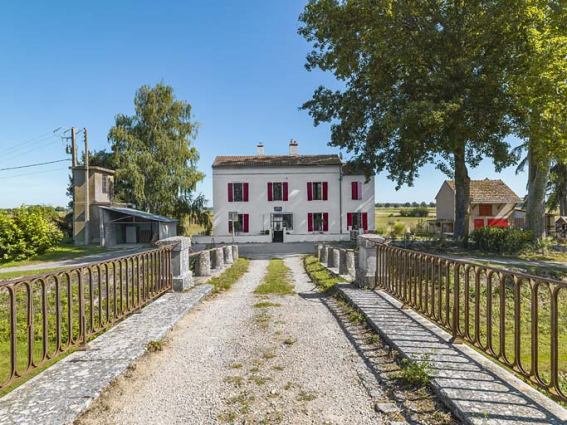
{"points": [[229, 361]]}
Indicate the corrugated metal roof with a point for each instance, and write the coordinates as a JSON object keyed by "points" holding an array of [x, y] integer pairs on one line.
{"points": [[145, 215], [276, 160], [490, 191]]}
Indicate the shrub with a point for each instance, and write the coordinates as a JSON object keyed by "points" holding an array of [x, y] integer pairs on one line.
{"points": [[29, 231], [415, 212], [501, 240], [398, 228]]}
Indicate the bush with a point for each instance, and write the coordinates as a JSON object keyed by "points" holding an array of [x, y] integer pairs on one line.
{"points": [[415, 212], [501, 240], [398, 229], [29, 231]]}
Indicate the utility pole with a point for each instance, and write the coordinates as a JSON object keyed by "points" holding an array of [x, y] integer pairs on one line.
{"points": [[87, 201], [73, 146]]}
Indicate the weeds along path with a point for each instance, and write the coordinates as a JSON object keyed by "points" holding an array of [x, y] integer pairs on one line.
{"points": [[246, 357]]}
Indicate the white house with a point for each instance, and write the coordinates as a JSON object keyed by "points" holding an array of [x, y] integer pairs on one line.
{"points": [[289, 198]]}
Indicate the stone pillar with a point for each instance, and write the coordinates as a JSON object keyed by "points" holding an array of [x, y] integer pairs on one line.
{"points": [[182, 276], [325, 254], [366, 270], [235, 255], [336, 258], [217, 258], [350, 263], [319, 252], [228, 254], [203, 266], [343, 262]]}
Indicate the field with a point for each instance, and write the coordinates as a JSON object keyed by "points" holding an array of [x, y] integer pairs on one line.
{"points": [[384, 216], [62, 252]]}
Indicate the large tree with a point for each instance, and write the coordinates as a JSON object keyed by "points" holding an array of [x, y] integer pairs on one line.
{"points": [[538, 82], [423, 82], [154, 152]]}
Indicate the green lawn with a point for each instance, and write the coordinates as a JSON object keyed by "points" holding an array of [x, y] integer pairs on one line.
{"points": [[62, 252], [277, 281], [230, 276]]}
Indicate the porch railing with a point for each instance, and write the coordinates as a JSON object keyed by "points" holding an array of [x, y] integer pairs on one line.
{"points": [[46, 315], [518, 319]]}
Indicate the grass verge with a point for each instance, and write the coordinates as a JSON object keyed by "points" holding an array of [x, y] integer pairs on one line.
{"points": [[18, 274], [229, 277], [277, 281], [322, 277], [62, 252]]}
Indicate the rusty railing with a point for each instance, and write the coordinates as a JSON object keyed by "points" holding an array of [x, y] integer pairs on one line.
{"points": [[518, 319], [46, 315]]}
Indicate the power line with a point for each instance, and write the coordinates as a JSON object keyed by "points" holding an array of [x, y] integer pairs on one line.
{"points": [[31, 174], [29, 150], [34, 141], [33, 165]]}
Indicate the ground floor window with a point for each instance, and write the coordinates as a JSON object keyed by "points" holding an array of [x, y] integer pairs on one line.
{"points": [[318, 222], [281, 221], [240, 224], [357, 221]]}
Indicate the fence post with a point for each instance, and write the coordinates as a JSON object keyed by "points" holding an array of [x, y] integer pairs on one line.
{"points": [[456, 304], [235, 254], [319, 251], [351, 263], [325, 255], [218, 258], [343, 269], [336, 258], [83, 346], [204, 264], [227, 252], [181, 276]]}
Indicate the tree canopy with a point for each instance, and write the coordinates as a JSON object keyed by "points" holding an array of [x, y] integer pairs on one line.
{"points": [[424, 82], [154, 154]]}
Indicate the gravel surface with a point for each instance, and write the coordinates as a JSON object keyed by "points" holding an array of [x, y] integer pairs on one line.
{"points": [[228, 361]]}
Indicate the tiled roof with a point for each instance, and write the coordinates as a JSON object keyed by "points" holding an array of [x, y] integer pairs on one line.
{"points": [[276, 161], [490, 191]]}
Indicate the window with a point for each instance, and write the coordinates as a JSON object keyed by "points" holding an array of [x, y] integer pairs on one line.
{"points": [[317, 191], [241, 225], [485, 210], [318, 222], [238, 192], [357, 220], [277, 191], [104, 183], [281, 221], [356, 190]]}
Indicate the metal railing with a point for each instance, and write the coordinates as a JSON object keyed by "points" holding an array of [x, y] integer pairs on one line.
{"points": [[46, 315], [518, 319]]}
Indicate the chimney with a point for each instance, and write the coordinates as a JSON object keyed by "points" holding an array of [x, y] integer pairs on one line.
{"points": [[260, 149], [292, 147]]}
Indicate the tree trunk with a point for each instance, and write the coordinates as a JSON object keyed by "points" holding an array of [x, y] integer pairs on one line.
{"points": [[462, 196], [562, 190], [538, 176]]}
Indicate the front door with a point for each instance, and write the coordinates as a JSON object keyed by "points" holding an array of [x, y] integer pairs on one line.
{"points": [[277, 228]]}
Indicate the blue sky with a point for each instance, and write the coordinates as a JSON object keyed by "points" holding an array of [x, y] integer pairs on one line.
{"points": [[239, 64]]}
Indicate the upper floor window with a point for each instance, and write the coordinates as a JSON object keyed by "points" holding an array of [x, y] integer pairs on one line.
{"points": [[277, 191], [356, 190], [317, 191], [485, 210], [238, 192]]}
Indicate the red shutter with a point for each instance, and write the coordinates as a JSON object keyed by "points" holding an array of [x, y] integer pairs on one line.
{"points": [[325, 191], [285, 195], [310, 222], [230, 227], [354, 186], [309, 191], [365, 221], [270, 191], [246, 223], [359, 190], [325, 222], [349, 219], [230, 195], [478, 223], [245, 190]]}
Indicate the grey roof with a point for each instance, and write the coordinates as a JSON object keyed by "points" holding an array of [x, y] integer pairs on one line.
{"points": [[489, 191], [276, 160], [136, 213]]}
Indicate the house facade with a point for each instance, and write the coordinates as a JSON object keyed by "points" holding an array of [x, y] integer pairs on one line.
{"points": [[289, 198], [492, 204]]}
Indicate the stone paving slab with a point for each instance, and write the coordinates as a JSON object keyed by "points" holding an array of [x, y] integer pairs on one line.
{"points": [[476, 389], [61, 392]]}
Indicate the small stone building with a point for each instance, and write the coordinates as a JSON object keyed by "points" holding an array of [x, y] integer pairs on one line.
{"points": [[111, 223]]}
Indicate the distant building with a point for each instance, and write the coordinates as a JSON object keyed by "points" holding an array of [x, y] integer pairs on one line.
{"points": [[289, 198], [492, 204], [111, 223]]}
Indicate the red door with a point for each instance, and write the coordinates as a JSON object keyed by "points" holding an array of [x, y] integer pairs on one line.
{"points": [[498, 222], [478, 223]]}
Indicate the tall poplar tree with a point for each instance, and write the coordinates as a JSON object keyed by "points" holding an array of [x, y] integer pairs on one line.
{"points": [[423, 82], [154, 153]]}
